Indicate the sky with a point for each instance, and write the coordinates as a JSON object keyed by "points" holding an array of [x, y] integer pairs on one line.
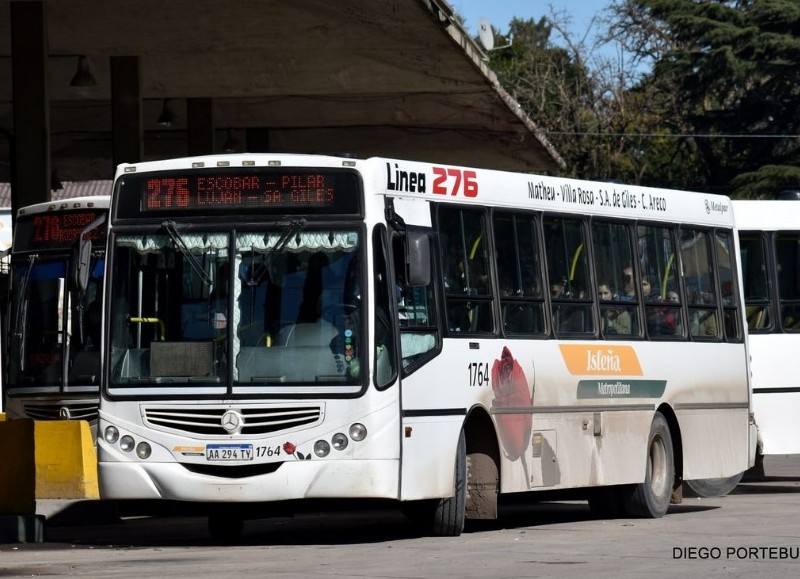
{"points": [[501, 12]]}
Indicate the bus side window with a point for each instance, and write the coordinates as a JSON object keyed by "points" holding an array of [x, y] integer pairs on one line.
{"points": [[519, 270], [416, 309], [755, 280], [663, 310], [464, 247], [385, 353], [567, 267], [616, 282], [787, 252], [699, 283], [725, 262]]}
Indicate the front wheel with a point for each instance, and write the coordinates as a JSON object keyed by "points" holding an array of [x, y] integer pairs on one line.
{"points": [[713, 487], [651, 498], [444, 517], [450, 512]]}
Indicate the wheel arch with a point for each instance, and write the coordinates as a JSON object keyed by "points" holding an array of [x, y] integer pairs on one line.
{"points": [[677, 439], [483, 456]]}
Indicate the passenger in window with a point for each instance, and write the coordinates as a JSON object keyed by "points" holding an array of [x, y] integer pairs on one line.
{"points": [[614, 320], [647, 291], [628, 284], [703, 323], [604, 292], [664, 321]]}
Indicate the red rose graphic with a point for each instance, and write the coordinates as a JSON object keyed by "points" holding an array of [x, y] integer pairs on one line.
{"points": [[511, 391], [289, 448]]}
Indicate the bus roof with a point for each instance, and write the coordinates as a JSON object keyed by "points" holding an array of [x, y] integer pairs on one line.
{"points": [[92, 201], [767, 215], [485, 187]]}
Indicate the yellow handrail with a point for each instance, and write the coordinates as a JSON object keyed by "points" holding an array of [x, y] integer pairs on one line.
{"points": [[574, 262], [161, 326]]}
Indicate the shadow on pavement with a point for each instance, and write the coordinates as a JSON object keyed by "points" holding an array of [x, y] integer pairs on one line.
{"points": [[94, 524]]}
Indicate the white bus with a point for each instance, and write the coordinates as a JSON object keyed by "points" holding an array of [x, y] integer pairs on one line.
{"points": [[285, 327], [769, 236], [54, 309]]}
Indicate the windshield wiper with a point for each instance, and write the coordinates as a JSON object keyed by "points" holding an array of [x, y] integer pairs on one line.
{"points": [[177, 239], [286, 234], [22, 304]]}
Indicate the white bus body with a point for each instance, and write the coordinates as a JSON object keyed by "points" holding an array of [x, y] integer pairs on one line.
{"points": [[453, 394], [53, 369], [770, 239]]}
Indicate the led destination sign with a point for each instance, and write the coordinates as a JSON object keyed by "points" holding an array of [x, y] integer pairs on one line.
{"points": [[234, 190], [56, 230]]}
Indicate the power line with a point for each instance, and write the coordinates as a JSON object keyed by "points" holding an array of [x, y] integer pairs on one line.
{"points": [[671, 135]]}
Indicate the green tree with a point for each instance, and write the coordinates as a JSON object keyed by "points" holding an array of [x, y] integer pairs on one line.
{"points": [[582, 102], [727, 81]]}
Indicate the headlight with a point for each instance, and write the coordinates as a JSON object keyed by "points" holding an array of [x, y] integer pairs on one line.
{"points": [[111, 434], [339, 441], [358, 432], [143, 450], [322, 448], [126, 443]]}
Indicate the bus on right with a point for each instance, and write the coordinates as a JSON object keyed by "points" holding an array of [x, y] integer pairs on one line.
{"points": [[769, 239]]}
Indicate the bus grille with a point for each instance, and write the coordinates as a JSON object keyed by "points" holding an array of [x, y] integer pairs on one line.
{"points": [[256, 420], [62, 410]]}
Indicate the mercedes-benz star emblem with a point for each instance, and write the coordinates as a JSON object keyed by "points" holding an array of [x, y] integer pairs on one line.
{"points": [[232, 421], [64, 413]]}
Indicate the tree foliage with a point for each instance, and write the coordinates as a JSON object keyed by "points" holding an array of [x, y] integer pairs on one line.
{"points": [[732, 68], [717, 110]]}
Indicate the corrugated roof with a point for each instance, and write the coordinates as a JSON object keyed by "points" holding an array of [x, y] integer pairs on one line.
{"points": [[68, 190]]}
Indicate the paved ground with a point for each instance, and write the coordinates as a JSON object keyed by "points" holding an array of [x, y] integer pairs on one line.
{"points": [[754, 532]]}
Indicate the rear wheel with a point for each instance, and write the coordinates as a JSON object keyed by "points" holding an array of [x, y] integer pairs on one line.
{"points": [[651, 498], [713, 487]]}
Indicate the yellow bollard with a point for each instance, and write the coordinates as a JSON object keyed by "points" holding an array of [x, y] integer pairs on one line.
{"points": [[66, 461]]}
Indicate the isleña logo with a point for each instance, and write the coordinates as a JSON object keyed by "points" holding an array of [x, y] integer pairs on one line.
{"points": [[607, 361], [589, 360]]}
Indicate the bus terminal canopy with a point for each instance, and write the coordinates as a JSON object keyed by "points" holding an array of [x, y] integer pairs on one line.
{"points": [[395, 78]]}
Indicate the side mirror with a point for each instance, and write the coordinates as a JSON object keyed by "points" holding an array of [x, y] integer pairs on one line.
{"points": [[82, 256], [81, 263], [418, 258]]}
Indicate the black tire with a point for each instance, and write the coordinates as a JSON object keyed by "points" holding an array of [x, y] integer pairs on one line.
{"points": [[225, 528], [756, 472], [712, 487], [449, 512], [651, 498]]}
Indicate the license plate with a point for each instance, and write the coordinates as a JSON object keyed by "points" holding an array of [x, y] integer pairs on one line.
{"points": [[225, 452]]}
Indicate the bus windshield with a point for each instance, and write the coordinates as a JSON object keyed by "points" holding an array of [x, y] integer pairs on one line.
{"points": [[258, 308], [51, 322]]}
